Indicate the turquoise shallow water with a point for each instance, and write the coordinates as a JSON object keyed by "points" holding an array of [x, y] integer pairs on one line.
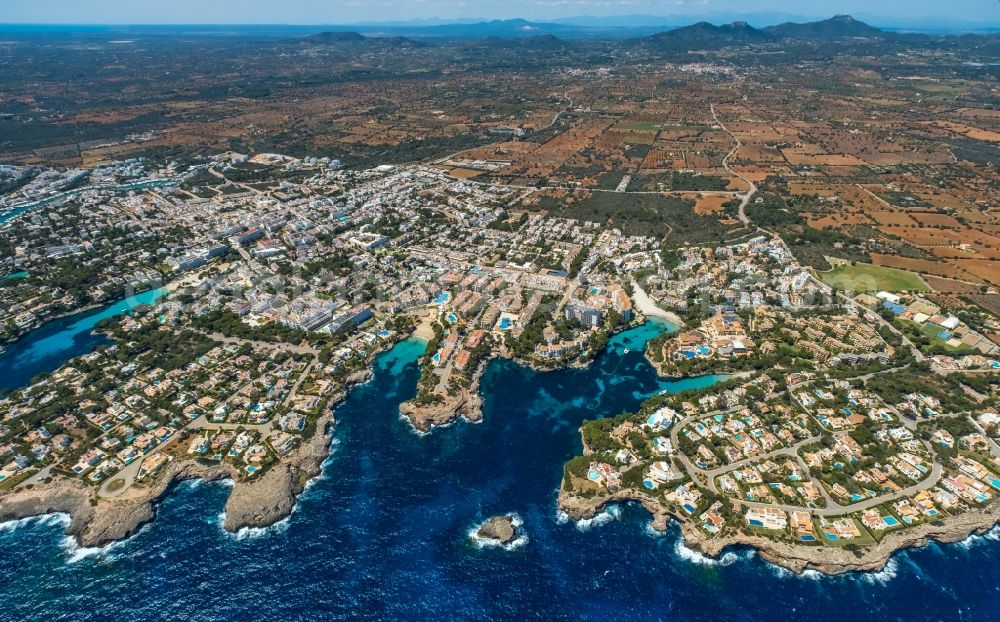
{"points": [[383, 534], [49, 346]]}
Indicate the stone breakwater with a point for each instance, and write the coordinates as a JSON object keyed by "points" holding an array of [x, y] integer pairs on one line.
{"points": [[96, 522], [797, 558]]}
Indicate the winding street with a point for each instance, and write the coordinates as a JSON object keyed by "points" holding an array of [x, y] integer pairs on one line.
{"points": [[752, 188], [707, 476]]}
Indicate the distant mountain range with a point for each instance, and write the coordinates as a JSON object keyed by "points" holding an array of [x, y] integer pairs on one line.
{"points": [[747, 28], [837, 27], [702, 35]]}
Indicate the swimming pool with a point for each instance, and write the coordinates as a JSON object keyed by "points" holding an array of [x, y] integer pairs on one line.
{"points": [[648, 484], [890, 521]]}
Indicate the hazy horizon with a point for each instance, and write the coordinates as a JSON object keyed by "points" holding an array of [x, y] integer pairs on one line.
{"points": [[346, 12]]}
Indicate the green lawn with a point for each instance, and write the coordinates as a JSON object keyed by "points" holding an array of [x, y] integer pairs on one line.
{"points": [[863, 277], [643, 126], [10, 482]]}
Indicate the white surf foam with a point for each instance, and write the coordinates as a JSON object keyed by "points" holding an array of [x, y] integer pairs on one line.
{"points": [[41, 520], [609, 514], [690, 555], [76, 553], [885, 575], [481, 543]]}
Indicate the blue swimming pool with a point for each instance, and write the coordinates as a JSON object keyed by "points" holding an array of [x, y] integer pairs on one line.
{"points": [[888, 520]]}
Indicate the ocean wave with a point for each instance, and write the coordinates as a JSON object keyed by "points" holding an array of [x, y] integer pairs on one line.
{"points": [[785, 573], [609, 514], [414, 429], [323, 468], [652, 532], [975, 540], [883, 576], [42, 520], [253, 533], [690, 555], [486, 543], [76, 553]]}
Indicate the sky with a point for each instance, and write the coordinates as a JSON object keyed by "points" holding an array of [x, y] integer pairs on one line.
{"points": [[885, 12]]}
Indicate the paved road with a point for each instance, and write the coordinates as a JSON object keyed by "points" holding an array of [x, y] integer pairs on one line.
{"points": [[706, 477], [838, 510], [752, 188], [129, 473], [38, 477]]}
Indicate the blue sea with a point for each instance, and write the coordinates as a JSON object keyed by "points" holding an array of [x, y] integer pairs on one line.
{"points": [[384, 533], [53, 343]]}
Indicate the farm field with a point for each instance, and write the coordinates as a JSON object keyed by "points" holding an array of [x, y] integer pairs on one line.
{"points": [[864, 277]]}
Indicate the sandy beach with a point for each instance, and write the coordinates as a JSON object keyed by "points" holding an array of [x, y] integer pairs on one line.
{"points": [[425, 327], [647, 307]]}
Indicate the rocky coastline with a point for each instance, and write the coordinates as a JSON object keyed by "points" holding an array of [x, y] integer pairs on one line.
{"points": [[793, 557], [466, 404], [97, 522]]}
